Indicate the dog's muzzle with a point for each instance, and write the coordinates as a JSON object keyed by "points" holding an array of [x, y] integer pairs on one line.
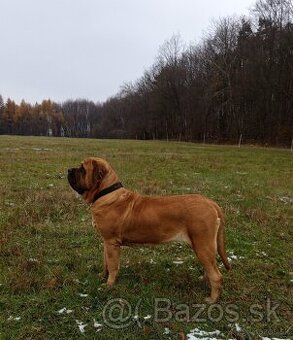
{"points": [[71, 176], [72, 179]]}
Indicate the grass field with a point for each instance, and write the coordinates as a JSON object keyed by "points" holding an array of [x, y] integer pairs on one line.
{"points": [[50, 255]]}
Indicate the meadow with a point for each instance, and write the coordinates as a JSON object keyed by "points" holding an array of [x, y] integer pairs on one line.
{"points": [[50, 254]]}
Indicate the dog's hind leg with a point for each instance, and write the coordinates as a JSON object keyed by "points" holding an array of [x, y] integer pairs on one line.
{"points": [[105, 272], [206, 253], [112, 252]]}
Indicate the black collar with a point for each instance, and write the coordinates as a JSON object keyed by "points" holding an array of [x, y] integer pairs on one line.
{"points": [[106, 191]]}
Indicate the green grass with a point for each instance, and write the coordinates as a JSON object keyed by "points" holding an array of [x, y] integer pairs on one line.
{"points": [[50, 253]]}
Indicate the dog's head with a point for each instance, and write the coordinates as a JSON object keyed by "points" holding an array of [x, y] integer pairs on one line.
{"points": [[93, 175]]}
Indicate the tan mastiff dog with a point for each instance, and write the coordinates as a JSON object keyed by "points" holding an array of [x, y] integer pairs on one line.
{"points": [[124, 217]]}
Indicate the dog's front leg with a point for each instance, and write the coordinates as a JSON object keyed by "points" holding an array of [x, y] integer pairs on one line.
{"points": [[112, 253]]}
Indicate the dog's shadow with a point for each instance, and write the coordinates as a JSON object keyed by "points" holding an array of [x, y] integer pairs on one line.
{"points": [[156, 276], [163, 276]]}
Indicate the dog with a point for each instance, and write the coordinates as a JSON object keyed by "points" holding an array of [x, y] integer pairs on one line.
{"points": [[123, 217]]}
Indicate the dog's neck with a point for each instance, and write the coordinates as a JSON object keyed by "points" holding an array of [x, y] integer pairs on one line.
{"points": [[107, 190], [110, 179]]}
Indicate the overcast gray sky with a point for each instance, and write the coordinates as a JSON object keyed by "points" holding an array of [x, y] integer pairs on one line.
{"points": [[62, 49]]}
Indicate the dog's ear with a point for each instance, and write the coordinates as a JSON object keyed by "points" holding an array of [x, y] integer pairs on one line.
{"points": [[99, 172]]}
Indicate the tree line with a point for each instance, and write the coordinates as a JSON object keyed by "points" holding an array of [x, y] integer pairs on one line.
{"points": [[236, 83]]}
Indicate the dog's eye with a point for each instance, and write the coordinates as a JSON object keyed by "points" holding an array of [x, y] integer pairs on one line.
{"points": [[82, 170]]}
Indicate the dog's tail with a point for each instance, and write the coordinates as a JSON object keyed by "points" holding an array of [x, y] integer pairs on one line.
{"points": [[221, 239], [221, 245]]}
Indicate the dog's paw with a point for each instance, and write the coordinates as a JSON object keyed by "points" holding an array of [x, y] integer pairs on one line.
{"points": [[210, 300], [110, 284]]}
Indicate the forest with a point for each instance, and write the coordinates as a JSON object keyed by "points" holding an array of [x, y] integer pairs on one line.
{"points": [[236, 83]]}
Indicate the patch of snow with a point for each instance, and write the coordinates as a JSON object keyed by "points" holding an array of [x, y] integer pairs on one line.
{"points": [[266, 338], [286, 199], [65, 310], [147, 317], [81, 326], [196, 334], [238, 328], [62, 310], [178, 262], [97, 325], [14, 318], [52, 260], [41, 149], [166, 330], [262, 254], [31, 259], [233, 256], [83, 295]]}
